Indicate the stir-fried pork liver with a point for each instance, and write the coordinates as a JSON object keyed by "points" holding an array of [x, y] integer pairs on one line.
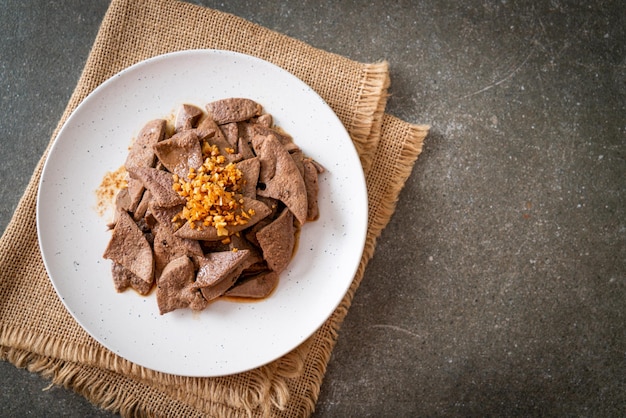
{"points": [[218, 139], [180, 152], [142, 207], [187, 117], [128, 246], [239, 243], [265, 120], [176, 287], [244, 148], [250, 174], [209, 233], [159, 183], [217, 272], [285, 183], [168, 246], [217, 266], [124, 278], [233, 110], [255, 287], [165, 215], [141, 154], [277, 241], [206, 128], [312, 189], [231, 134], [153, 240]]}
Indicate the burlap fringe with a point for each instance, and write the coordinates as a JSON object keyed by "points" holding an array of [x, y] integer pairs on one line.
{"points": [[65, 374], [365, 128], [266, 382], [112, 398], [377, 125]]}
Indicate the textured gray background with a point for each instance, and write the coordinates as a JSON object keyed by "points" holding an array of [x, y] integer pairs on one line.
{"points": [[499, 286]]}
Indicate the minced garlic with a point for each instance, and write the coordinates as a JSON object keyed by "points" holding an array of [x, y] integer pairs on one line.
{"points": [[212, 193]]}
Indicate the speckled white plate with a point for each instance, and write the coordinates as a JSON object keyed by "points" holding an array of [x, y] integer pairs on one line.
{"points": [[228, 337]]}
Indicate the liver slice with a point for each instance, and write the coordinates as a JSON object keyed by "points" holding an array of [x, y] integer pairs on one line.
{"points": [[175, 287], [218, 271], [277, 241], [187, 117], [159, 183], [141, 153], [281, 176], [255, 287], [250, 169], [168, 247], [233, 110], [218, 266], [209, 233], [312, 189], [124, 278], [128, 246], [180, 153]]}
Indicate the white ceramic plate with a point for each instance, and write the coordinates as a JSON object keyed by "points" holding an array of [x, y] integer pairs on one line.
{"points": [[228, 337]]}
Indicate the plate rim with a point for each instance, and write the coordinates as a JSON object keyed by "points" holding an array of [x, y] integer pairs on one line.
{"points": [[168, 56]]}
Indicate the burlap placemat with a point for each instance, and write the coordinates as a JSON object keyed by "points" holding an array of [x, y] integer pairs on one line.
{"points": [[37, 332]]}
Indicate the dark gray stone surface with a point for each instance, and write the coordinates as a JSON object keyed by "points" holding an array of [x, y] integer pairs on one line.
{"points": [[499, 286]]}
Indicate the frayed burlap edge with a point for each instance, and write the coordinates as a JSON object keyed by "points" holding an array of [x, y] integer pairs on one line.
{"points": [[128, 399], [365, 129]]}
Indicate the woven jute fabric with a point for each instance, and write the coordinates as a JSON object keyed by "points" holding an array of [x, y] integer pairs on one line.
{"points": [[37, 332]]}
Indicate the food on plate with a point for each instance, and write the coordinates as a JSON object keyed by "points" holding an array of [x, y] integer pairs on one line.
{"points": [[211, 206]]}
